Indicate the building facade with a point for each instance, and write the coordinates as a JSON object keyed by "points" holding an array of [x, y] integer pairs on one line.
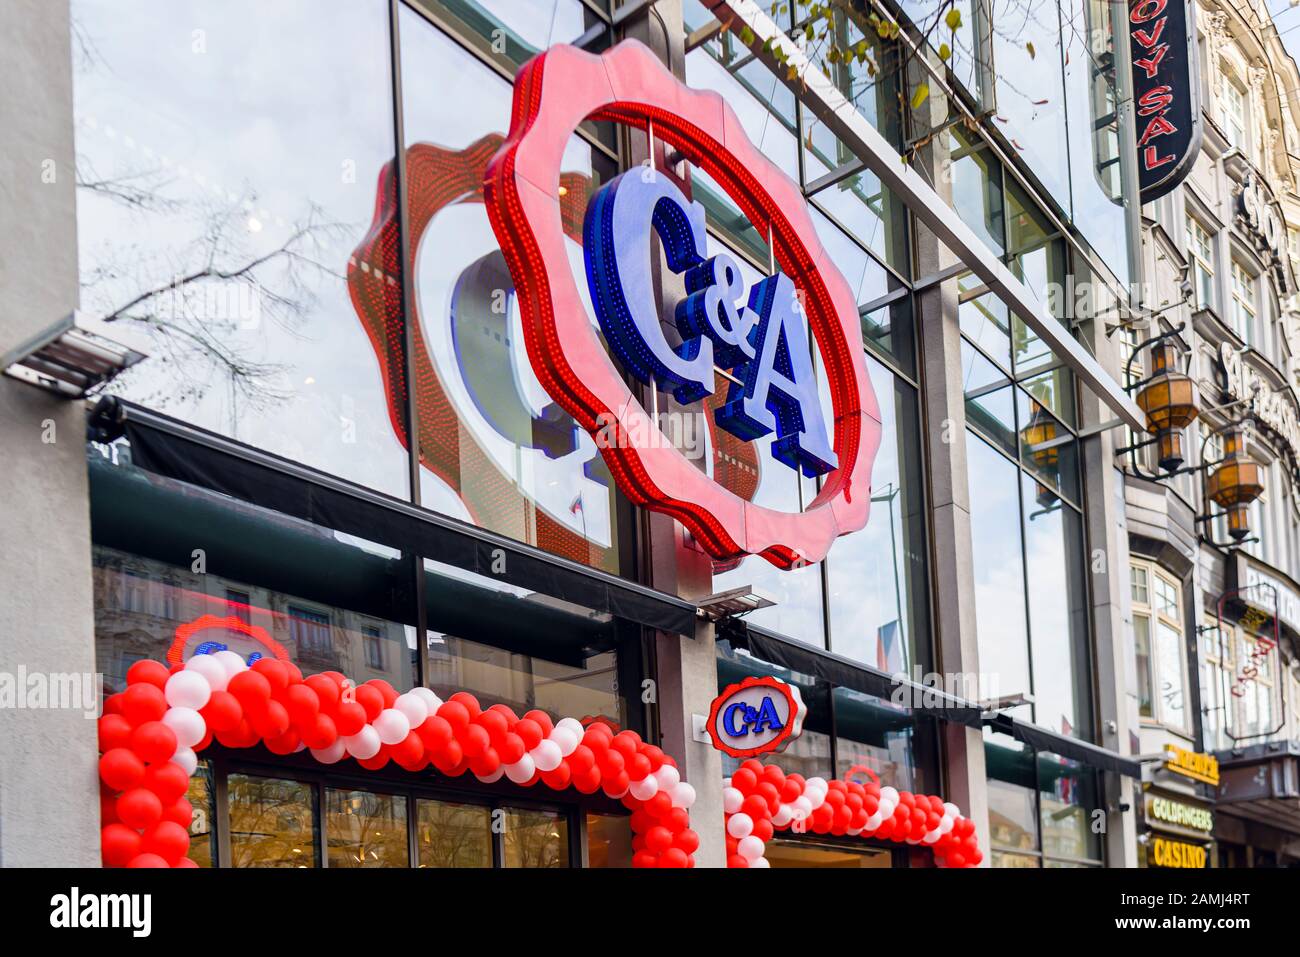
{"points": [[327, 437]]}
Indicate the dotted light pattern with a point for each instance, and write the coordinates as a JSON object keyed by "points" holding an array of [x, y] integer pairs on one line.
{"points": [[759, 799], [150, 736], [437, 178], [554, 92]]}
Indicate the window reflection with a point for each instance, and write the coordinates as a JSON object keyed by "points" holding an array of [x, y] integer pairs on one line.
{"points": [[977, 189], [535, 838], [453, 835], [875, 734], [203, 247], [200, 796], [272, 822], [364, 829], [609, 840]]}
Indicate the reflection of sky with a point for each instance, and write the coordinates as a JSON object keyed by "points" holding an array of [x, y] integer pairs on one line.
{"points": [[251, 117]]}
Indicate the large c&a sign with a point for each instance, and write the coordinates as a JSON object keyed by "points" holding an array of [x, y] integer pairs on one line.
{"points": [[752, 342], [1166, 92], [756, 716]]}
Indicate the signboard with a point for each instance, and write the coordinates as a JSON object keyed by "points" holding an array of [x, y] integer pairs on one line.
{"points": [[1192, 764], [1274, 409], [756, 716], [1262, 220], [749, 341], [1270, 594], [1163, 852], [1166, 92], [1170, 811]]}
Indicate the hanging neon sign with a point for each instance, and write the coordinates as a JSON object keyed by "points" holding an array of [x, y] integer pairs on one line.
{"points": [[762, 342]]}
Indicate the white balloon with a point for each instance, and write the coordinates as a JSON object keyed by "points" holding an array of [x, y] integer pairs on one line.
{"points": [[668, 777], [644, 789], [951, 809], [187, 759], [187, 689], [494, 777], [946, 825], [364, 744], [187, 723], [431, 700], [414, 707], [521, 772], [783, 816], [931, 837], [760, 863], [750, 848], [740, 825], [211, 669], [232, 662], [873, 822], [802, 807], [814, 798], [547, 756], [565, 740], [816, 784], [574, 726], [331, 755], [732, 799], [683, 795], [889, 793], [392, 726]]}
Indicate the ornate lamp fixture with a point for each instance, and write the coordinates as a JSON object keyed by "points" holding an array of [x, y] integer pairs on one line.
{"points": [[1169, 398], [1039, 437], [1235, 482]]}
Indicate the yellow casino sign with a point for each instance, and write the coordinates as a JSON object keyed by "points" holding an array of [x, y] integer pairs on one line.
{"points": [[1192, 764]]}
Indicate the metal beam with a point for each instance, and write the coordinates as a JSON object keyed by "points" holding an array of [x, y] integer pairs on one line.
{"points": [[779, 53]]}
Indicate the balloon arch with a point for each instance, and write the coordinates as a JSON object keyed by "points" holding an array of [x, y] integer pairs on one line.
{"points": [[149, 736]]}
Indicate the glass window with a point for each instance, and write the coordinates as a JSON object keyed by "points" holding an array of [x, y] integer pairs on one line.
{"points": [[1068, 802], [877, 578], [1145, 676], [877, 734], [990, 398], [1243, 303], [977, 189], [200, 796], [453, 835], [1232, 112], [609, 840], [496, 451], [535, 838], [364, 829], [1200, 251], [200, 245], [1158, 641], [272, 822]]}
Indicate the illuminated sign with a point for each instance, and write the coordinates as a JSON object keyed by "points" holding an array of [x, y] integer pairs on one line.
{"points": [[1184, 815], [756, 716], [1166, 93], [1166, 853], [759, 346], [1192, 764], [208, 634]]}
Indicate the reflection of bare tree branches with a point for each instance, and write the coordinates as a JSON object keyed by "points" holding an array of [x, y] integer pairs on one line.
{"points": [[202, 302]]}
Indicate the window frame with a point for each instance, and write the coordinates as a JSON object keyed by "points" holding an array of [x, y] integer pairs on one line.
{"points": [[1150, 610]]}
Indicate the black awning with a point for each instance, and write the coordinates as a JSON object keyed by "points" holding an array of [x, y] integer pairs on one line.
{"points": [[188, 454], [1040, 739]]}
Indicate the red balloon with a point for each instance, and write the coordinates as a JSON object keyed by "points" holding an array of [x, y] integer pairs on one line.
{"points": [[272, 722], [755, 807], [611, 763], [149, 672], [744, 780], [588, 782], [581, 760], [321, 734], [107, 809], [121, 769], [543, 721], [638, 767], [180, 812], [644, 859], [658, 839], [616, 785], [113, 704], [143, 703], [349, 718], [558, 779], [118, 844], [474, 740], [327, 692], [168, 840], [447, 758], [530, 731], [274, 672], [139, 808], [409, 753], [284, 743], [468, 702], [303, 705], [186, 862], [377, 762], [688, 841], [659, 806], [167, 780], [223, 712], [486, 764], [252, 690], [626, 743], [114, 732], [495, 724], [673, 857], [762, 830], [387, 693], [153, 741], [956, 859], [148, 860], [735, 860], [372, 699], [435, 731], [511, 748], [241, 737]]}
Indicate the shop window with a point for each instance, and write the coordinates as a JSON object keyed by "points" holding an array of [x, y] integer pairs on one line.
{"points": [[804, 854], [1217, 704], [222, 264], [535, 838], [272, 822], [453, 835], [1200, 251], [200, 796], [1158, 641], [609, 840], [365, 829], [1232, 113]]}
